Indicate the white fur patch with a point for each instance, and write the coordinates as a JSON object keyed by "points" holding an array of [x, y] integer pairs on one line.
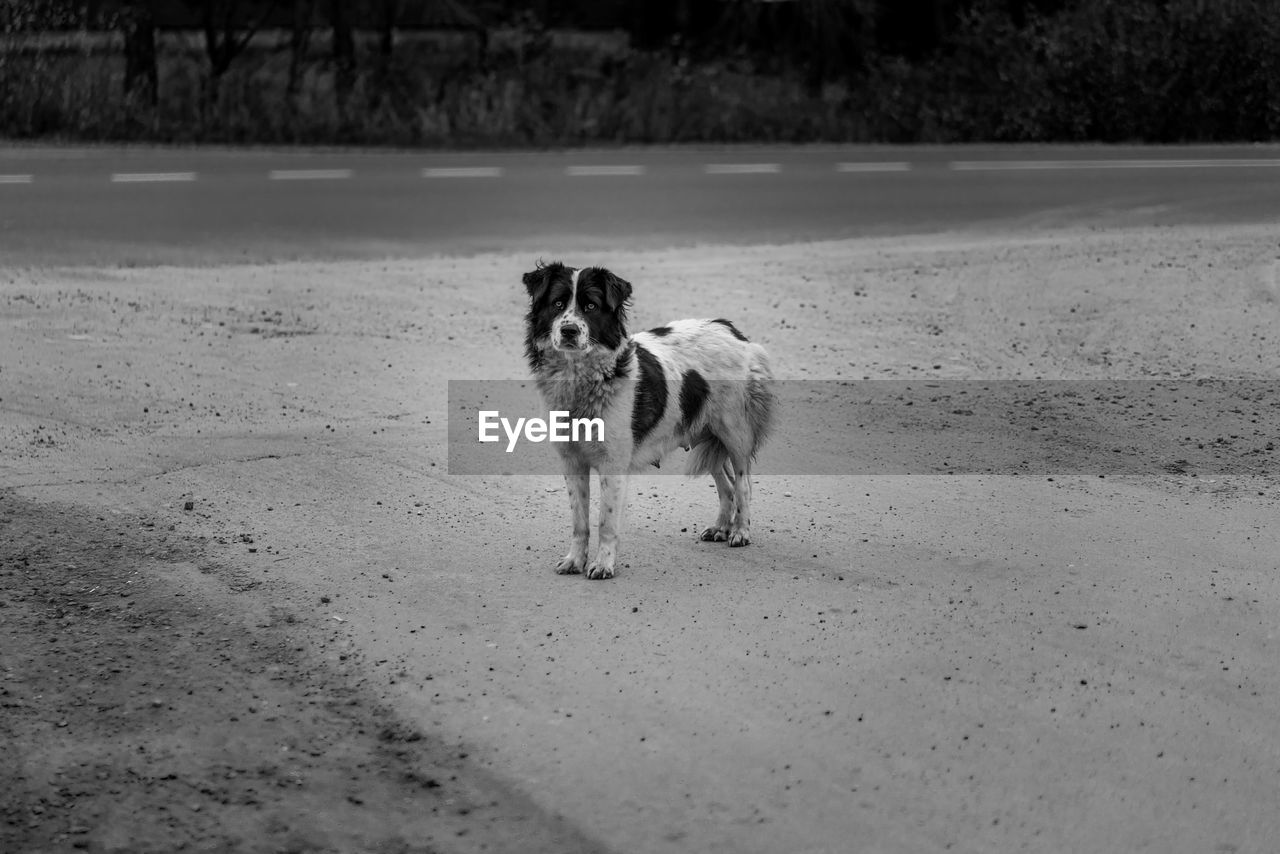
{"points": [[570, 317]]}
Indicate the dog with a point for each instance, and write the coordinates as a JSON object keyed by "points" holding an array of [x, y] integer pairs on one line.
{"points": [[696, 384]]}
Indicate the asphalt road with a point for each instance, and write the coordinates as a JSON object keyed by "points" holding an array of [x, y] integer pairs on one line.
{"points": [[153, 206]]}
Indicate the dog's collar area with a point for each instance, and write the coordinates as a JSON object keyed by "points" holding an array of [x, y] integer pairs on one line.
{"points": [[606, 366]]}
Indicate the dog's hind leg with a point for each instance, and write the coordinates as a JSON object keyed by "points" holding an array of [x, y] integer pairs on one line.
{"points": [[578, 480], [613, 500], [723, 476], [740, 530]]}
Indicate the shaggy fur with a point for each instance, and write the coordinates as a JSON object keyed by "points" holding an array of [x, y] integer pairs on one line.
{"points": [[696, 384]]}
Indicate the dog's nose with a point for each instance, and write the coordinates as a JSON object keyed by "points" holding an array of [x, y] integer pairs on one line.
{"points": [[569, 333]]}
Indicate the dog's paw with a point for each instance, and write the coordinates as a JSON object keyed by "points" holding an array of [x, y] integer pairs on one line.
{"points": [[714, 534], [739, 537], [570, 565], [600, 570]]}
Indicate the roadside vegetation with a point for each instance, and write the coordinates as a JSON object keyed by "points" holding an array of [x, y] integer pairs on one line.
{"points": [[453, 73]]}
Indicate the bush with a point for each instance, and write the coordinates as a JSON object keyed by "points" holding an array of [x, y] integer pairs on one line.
{"points": [[556, 98], [1180, 71], [1174, 71]]}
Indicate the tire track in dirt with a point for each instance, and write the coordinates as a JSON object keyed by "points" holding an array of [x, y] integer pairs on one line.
{"points": [[139, 715]]}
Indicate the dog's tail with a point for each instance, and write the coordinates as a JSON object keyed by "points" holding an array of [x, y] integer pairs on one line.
{"points": [[759, 399], [707, 456], [711, 452]]}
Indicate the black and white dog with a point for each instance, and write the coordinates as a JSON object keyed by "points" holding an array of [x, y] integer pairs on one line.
{"points": [[696, 384]]}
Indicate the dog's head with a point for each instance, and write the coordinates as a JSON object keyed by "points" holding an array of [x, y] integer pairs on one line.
{"points": [[575, 311]]}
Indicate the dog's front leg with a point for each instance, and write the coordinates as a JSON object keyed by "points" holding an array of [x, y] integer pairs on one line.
{"points": [[578, 480], [740, 532], [613, 500]]}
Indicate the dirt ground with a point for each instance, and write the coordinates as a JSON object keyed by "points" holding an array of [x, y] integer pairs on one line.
{"points": [[244, 606]]}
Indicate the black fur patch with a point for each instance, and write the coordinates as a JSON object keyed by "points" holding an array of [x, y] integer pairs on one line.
{"points": [[602, 302], [651, 395], [546, 284], [693, 394], [660, 331], [728, 324]]}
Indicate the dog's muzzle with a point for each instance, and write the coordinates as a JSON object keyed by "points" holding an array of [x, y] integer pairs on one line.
{"points": [[570, 337]]}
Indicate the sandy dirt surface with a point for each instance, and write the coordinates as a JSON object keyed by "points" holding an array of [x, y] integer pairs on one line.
{"points": [[244, 607]]}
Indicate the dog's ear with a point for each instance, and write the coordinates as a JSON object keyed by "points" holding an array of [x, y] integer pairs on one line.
{"points": [[536, 281], [617, 291]]}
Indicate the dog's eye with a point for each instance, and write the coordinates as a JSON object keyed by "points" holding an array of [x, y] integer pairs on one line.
{"points": [[559, 303], [591, 306]]}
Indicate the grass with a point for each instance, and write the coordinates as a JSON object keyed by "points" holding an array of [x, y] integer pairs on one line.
{"points": [[426, 95]]}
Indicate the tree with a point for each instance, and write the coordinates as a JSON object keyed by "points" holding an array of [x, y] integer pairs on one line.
{"points": [[344, 46], [448, 15], [826, 39], [388, 11], [141, 77], [299, 39], [36, 15], [228, 28]]}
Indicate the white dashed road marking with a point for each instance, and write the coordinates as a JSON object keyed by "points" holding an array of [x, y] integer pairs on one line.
{"points": [[310, 174], [632, 169], [150, 177], [895, 166], [604, 170], [462, 172], [1022, 165], [742, 168]]}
